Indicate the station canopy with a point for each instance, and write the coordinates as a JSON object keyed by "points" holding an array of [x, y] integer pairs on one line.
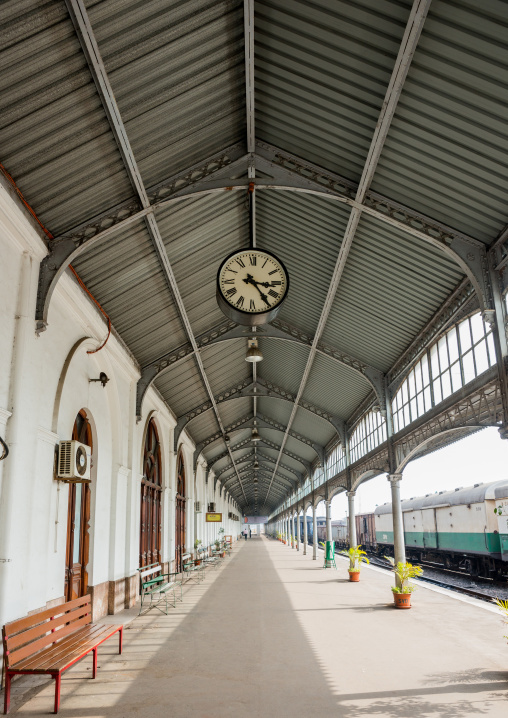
{"points": [[373, 138]]}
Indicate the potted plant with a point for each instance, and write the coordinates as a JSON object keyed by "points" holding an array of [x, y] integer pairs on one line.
{"points": [[197, 544], [402, 593], [356, 557], [503, 607]]}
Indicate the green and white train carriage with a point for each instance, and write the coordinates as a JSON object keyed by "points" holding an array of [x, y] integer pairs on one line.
{"points": [[465, 529]]}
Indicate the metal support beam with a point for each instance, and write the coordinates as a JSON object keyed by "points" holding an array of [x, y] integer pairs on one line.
{"points": [[90, 48], [407, 48], [227, 331], [247, 388]]}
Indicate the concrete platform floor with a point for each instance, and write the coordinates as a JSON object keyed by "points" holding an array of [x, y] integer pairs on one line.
{"points": [[272, 633]]}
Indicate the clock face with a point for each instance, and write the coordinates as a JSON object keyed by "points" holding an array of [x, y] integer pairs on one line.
{"points": [[252, 281]]}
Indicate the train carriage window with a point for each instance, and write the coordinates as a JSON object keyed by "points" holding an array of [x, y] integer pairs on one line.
{"points": [[458, 357]]}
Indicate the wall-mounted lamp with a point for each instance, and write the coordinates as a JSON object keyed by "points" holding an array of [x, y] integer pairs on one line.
{"points": [[103, 378]]}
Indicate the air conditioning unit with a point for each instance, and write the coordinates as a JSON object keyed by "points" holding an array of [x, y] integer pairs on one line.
{"points": [[211, 508], [197, 507], [74, 462]]}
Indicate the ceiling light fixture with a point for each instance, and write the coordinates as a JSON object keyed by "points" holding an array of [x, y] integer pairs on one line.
{"points": [[253, 352], [255, 435]]}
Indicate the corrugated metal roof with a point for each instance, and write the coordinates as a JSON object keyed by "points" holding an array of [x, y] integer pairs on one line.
{"points": [[54, 137], [125, 276], [335, 387], [182, 388], [177, 70], [392, 285], [446, 149], [322, 69], [283, 363], [305, 232], [198, 234], [225, 364], [305, 451], [313, 427]]}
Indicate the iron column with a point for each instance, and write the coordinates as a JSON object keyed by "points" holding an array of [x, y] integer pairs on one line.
{"points": [[398, 521], [352, 517], [328, 505]]}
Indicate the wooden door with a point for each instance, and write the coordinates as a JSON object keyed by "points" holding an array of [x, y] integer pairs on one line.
{"points": [[151, 500], [180, 514], [78, 523]]}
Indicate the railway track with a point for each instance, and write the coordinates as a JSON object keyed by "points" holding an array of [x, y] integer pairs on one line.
{"points": [[496, 588]]}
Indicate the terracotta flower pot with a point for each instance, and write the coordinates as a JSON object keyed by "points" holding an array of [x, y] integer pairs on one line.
{"points": [[354, 575], [197, 562], [402, 600]]}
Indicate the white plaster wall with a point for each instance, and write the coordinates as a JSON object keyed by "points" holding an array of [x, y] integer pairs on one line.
{"points": [[44, 383]]}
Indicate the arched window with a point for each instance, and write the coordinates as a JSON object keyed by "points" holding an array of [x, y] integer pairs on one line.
{"points": [[151, 499], [458, 357], [78, 522], [369, 433]]}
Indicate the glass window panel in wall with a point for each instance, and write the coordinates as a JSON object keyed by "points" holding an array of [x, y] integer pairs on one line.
{"points": [[453, 345], [465, 336], [477, 327], [443, 353], [481, 357]]}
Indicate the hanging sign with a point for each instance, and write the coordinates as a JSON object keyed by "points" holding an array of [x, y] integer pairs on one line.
{"points": [[213, 518]]}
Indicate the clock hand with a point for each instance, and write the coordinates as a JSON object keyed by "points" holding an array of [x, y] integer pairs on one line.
{"points": [[250, 280]]}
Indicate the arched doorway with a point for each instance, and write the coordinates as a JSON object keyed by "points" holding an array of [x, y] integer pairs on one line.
{"points": [[78, 522], [151, 499], [180, 513]]}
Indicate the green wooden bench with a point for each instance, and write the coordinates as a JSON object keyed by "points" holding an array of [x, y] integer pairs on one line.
{"points": [[157, 586], [191, 572]]}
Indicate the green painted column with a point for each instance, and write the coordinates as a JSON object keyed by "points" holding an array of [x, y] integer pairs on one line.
{"points": [[314, 534]]}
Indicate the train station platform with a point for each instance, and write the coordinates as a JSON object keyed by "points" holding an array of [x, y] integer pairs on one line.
{"points": [[272, 632]]}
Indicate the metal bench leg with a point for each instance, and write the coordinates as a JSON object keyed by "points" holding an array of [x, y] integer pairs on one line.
{"points": [[120, 641], [58, 680], [94, 669], [7, 697]]}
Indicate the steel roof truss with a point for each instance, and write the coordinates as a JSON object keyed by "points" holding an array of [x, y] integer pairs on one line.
{"points": [[407, 48]]}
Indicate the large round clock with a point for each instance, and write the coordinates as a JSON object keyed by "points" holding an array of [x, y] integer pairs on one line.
{"points": [[251, 286]]}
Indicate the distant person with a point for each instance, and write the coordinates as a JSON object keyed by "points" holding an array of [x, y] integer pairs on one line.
{"points": [[245, 533], [250, 532]]}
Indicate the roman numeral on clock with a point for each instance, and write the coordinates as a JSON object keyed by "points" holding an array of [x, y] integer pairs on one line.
{"points": [[240, 262], [252, 305], [272, 293], [231, 281], [231, 292], [239, 302], [253, 260]]}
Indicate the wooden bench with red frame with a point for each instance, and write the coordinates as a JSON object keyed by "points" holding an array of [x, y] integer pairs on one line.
{"points": [[52, 641]]}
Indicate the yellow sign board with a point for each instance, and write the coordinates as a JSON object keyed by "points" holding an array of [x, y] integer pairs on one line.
{"points": [[213, 517]]}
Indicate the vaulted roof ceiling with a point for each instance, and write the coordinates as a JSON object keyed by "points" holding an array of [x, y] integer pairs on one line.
{"points": [[133, 129]]}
